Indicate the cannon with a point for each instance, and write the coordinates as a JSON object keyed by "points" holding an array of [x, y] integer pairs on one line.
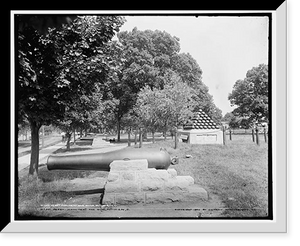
{"points": [[157, 158]]}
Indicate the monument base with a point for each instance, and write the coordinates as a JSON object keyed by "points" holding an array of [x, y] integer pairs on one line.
{"points": [[202, 136], [131, 182]]}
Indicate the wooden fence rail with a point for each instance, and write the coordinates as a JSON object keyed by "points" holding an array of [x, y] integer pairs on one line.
{"points": [[254, 132]]}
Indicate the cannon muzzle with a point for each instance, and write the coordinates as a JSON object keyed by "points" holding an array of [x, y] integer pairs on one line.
{"points": [[159, 159]]}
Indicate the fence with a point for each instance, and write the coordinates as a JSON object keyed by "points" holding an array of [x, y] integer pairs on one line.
{"points": [[244, 131], [254, 132], [258, 134]]}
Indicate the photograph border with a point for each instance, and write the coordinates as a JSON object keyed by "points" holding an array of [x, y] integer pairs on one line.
{"points": [[202, 225]]}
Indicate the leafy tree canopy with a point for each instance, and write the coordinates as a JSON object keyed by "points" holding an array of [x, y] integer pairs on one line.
{"points": [[151, 58], [57, 70], [163, 109], [250, 95]]}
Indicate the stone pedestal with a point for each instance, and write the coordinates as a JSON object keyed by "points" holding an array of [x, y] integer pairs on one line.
{"points": [[202, 136], [131, 182]]}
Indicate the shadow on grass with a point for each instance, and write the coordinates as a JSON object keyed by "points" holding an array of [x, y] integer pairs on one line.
{"points": [[48, 176], [69, 194], [124, 139]]}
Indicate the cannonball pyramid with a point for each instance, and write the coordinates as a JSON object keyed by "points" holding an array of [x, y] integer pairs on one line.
{"points": [[200, 120], [131, 182]]}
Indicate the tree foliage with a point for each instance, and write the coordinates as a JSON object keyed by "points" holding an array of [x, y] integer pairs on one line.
{"points": [[58, 70], [164, 109], [250, 95], [151, 59], [86, 66], [236, 121], [74, 76]]}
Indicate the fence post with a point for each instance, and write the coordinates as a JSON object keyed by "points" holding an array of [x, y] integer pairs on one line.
{"points": [[224, 135], [230, 134], [257, 136], [265, 134], [253, 139], [176, 138]]}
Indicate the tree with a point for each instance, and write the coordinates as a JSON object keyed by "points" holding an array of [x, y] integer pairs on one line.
{"points": [[148, 109], [146, 57], [42, 22], [57, 68], [251, 95], [232, 120], [152, 58], [84, 112], [36, 71], [88, 62], [188, 70], [180, 102], [165, 108], [191, 74], [216, 114]]}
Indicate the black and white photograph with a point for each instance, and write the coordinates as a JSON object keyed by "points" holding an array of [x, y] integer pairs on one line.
{"points": [[143, 116]]}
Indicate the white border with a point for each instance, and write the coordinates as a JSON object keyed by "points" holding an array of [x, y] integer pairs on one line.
{"points": [[279, 224], [133, 12], [12, 116]]}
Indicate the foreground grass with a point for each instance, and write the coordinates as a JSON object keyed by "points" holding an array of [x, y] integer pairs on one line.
{"points": [[36, 191], [237, 173]]}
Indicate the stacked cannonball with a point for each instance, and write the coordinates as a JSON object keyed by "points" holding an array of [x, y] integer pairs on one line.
{"points": [[200, 120]]}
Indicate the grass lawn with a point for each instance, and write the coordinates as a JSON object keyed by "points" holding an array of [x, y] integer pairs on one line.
{"points": [[236, 173]]}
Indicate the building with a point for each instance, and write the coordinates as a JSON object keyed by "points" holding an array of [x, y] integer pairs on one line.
{"points": [[201, 129]]}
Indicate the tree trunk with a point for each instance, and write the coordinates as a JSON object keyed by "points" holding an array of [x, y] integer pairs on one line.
{"points": [[144, 134], [176, 138], [74, 135], [34, 158], [43, 136], [224, 135], [135, 137], [119, 130], [140, 138], [153, 140], [129, 140], [68, 136]]}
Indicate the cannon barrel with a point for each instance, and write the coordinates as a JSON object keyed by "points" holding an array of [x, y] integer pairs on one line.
{"points": [[159, 159]]}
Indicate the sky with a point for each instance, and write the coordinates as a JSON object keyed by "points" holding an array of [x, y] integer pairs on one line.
{"points": [[224, 47]]}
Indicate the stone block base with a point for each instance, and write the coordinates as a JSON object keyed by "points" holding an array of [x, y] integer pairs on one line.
{"points": [[131, 182]]}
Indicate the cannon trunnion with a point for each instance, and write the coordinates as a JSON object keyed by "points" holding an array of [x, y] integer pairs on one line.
{"points": [[159, 159]]}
